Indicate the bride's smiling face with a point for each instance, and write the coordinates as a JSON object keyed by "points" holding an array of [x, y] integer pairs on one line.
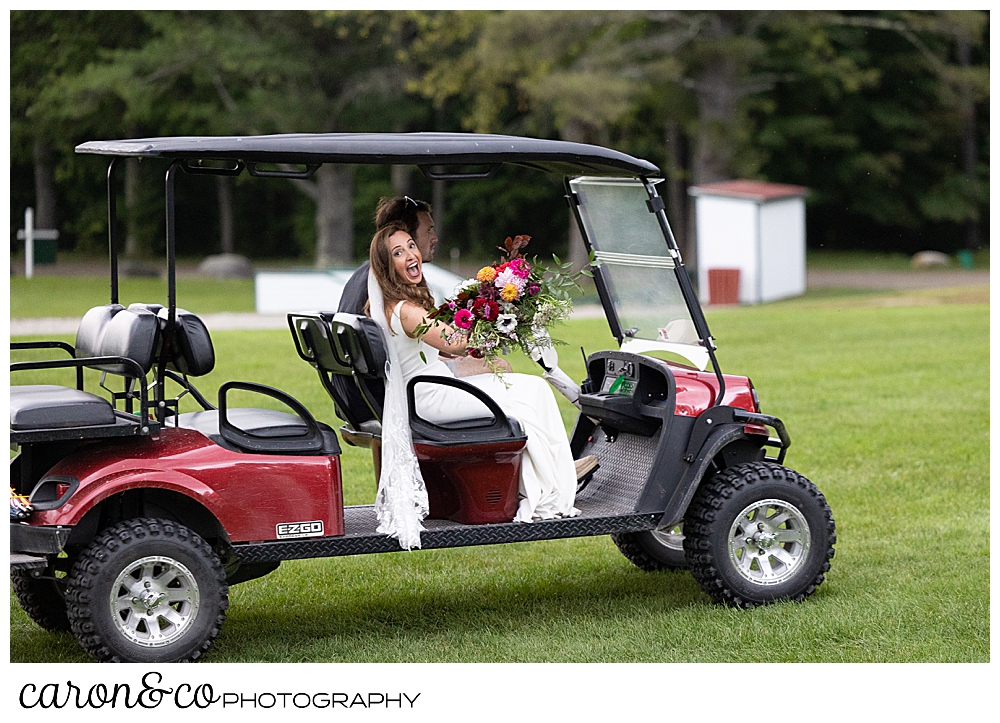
{"points": [[406, 259]]}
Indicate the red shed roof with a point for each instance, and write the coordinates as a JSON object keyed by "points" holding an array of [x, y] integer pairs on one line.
{"points": [[750, 190]]}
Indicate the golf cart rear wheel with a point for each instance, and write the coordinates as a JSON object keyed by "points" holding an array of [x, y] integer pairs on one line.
{"points": [[654, 550], [42, 599], [147, 591], [757, 533]]}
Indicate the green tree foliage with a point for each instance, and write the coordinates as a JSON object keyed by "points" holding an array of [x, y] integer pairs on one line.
{"points": [[205, 73], [47, 46], [881, 144], [883, 115]]}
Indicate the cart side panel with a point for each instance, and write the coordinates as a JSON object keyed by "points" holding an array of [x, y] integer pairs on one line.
{"points": [[251, 495]]}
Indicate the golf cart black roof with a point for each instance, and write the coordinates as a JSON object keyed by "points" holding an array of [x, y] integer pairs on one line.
{"points": [[421, 149]]}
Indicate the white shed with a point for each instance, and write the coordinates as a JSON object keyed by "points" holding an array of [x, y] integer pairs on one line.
{"points": [[755, 227]]}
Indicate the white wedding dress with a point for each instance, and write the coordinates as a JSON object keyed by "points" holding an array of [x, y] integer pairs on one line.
{"points": [[547, 485]]}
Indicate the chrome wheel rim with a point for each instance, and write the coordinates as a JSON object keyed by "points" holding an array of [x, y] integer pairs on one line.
{"points": [[769, 542], [154, 601], [672, 538]]}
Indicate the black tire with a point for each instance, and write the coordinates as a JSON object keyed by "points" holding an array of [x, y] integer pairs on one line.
{"points": [[42, 599], [170, 594], [757, 533], [654, 550]]}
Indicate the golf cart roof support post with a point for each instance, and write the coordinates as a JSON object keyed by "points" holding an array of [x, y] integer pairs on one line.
{"points": [[112, 217], [168, 332], [171, 243], [657, 208], [603, 292]]}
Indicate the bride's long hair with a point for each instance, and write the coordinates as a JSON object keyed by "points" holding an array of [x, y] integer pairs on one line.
{"points": [[394, 289]]}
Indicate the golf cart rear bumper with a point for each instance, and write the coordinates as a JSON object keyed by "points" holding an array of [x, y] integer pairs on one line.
{"points": [[37, 541]]}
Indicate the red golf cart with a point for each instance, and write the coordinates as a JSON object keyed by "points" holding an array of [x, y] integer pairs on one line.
{"points": [[142, 516]]}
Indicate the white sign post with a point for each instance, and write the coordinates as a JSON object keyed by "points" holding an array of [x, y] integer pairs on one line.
{"points": [[28, 234]]}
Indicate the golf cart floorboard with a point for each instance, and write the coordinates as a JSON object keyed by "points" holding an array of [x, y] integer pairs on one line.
{"points": [[360, 537]]}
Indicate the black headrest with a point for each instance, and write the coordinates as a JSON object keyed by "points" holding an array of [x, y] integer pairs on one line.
{"points": [[359, 339], [193, 354], [314, 342], [92, 327], [113, 330]]}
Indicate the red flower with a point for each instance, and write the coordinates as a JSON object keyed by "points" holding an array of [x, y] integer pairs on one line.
{"points": [[486, 309], [475, 353], [463, 319]]}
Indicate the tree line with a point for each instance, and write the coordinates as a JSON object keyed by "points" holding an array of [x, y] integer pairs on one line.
{"points": [[884, 116]]}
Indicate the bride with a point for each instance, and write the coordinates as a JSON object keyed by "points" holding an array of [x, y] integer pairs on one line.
{"points": [[399, 302]]}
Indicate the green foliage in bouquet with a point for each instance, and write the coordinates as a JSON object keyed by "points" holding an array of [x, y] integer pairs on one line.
{"points": [[509, 304]]}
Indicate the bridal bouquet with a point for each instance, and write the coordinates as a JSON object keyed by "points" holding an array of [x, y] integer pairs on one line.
{"points": [[511, 303]]}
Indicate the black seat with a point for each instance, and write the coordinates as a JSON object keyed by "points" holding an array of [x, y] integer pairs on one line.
{"points": [[47, 406], [120, 341], [286, 432]]}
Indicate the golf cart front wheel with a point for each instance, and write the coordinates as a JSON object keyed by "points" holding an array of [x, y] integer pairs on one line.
{"points": [[757, 533], [655, 549], [147, 591]]}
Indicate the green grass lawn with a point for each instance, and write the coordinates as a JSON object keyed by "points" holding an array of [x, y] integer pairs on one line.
{"points": [[69, 296], [888, 410], [73, 295], [877, 261]]}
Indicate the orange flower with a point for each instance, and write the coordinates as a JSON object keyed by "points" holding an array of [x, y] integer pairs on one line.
{"points": [[509, 292], [486, 274]]}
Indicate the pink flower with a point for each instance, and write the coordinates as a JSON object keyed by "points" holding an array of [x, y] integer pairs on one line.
{"points": [[509, 276], [533, 289], [520, 267], [464, 319]]}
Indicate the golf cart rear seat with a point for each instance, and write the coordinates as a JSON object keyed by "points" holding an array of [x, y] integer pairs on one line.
{"points": [[261, 431], [128, 342], [470, 467], [111, 339]]}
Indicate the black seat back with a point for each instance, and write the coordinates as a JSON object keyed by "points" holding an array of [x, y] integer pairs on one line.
{"points": [[113, 330], [359, 341], [314, 342], [191, 351], [348, 353]]}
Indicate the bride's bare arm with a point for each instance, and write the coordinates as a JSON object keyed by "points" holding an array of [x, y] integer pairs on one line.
{"points": [[437, 336], [467, 366]]}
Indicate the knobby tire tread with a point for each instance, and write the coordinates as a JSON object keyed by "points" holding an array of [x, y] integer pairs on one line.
{"points": [[91, 562], [41, 600], [628, 543], [705, 508]]}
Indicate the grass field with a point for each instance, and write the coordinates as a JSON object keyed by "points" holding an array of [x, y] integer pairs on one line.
{"points": [[886, 398], [873, 261], [68, 295]]}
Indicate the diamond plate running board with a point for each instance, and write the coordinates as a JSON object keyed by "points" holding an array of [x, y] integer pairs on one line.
{"points": [[439, 534]]}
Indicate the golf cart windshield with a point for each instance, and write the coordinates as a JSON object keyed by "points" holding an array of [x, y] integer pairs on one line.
{"points": [[637, 270]]}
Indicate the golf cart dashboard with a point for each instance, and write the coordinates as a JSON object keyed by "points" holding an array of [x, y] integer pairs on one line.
{"points": [[620, 377], [628, 392]]}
